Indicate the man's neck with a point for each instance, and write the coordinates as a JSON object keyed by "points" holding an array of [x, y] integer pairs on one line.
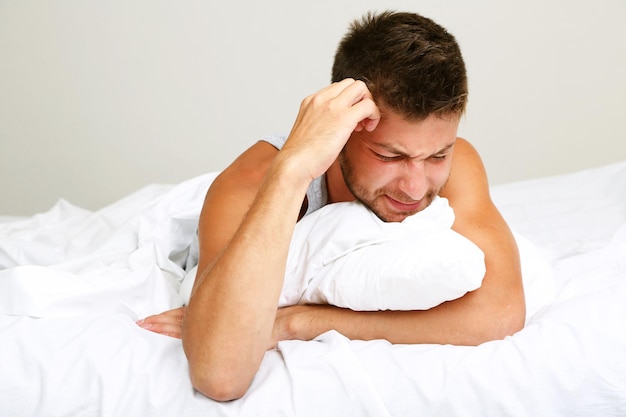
{"points": [[336, 186]]}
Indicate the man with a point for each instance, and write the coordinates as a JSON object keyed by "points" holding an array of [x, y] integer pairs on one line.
{"points": [[384, 133]]}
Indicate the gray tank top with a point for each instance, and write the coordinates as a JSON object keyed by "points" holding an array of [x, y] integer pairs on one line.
{"points": [[316, 194]]}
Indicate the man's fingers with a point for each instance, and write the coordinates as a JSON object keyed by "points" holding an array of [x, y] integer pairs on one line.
{"points": [[167, 330], [357, 97], [347, 92], [368, 114], [172, 329], [168, 323], [336, 88]]}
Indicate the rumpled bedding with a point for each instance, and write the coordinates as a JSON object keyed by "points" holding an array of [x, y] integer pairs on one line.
{"points": [[72, 283]]}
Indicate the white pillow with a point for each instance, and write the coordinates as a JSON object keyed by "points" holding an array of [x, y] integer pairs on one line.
{"points": [[344, 255]]}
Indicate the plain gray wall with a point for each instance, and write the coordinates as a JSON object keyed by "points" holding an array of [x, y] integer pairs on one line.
{"points": [[99, 98]]}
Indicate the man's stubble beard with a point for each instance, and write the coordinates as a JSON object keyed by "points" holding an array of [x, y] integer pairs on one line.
{"points": [[360, 193]]}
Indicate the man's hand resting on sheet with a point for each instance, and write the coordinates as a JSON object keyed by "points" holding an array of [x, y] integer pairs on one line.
{"points": [[168, 323]]}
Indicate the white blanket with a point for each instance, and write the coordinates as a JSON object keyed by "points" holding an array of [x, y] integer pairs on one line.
{"points": [[75, 350]]}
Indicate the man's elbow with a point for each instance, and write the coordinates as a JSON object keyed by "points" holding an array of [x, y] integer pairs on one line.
{"points": [[495, 323], [221, 378], [510, 320], [510, 327], [219, 386]]}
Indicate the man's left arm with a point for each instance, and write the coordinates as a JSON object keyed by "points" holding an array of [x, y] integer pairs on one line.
{"points": [[493, 311]]}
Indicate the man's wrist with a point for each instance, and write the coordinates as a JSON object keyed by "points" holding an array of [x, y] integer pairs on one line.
{"points": [[311, 321]]}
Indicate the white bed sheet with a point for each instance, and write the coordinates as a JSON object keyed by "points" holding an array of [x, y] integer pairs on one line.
{"points": [[72, 282]]}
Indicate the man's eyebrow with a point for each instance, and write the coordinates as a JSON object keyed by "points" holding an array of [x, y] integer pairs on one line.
{"points": [[445, 148], [392, 149]]}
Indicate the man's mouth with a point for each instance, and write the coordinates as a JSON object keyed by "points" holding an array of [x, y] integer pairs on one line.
{"points": [[403, 207]]}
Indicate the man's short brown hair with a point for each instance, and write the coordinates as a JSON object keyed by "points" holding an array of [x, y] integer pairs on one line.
{"points": [[411, 65]]}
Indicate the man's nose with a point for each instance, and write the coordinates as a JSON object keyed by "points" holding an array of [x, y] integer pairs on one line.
{"points": [[412, 180]]}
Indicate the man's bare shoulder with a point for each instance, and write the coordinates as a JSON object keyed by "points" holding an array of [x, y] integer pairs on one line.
{"points": [[240, 181], [465, 153], [230, 196], [250, 168], [468, 179]]}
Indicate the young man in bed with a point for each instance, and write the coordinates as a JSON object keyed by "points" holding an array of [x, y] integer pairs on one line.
{"points": [[384, 133]]}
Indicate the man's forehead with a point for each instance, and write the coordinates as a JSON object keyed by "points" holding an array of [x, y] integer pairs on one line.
{"points": [[402, 135]]}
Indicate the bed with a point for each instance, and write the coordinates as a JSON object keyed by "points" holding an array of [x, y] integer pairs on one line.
{"points": [[73, 282]]}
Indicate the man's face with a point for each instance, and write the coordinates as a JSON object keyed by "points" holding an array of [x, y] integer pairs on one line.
{"points": [[399, 168]]}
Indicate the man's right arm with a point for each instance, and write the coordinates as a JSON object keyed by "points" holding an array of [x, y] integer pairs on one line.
{"points": [[245, 231], [227, 201], [243, 237]]}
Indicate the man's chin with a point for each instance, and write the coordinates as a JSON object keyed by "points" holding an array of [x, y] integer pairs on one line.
{"points": [[390, 216], [389, 213]]}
